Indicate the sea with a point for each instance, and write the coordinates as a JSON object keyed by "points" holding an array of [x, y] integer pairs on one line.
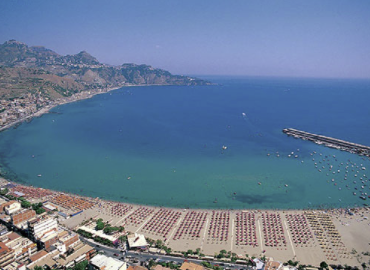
{"points": [[211, 147]]}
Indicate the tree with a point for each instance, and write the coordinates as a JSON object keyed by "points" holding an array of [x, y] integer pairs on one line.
{"points": [[323, 265], [151, 263], [81, 265], [38, 268], [3, 191], [25, 204], [99, 224], [122, 238], [40, 211]]}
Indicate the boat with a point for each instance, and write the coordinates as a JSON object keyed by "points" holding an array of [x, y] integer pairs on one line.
{"points": [[363, 197], [39, 175]]}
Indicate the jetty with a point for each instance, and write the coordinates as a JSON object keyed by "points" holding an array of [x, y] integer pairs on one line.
{"points": [[329, 142]]}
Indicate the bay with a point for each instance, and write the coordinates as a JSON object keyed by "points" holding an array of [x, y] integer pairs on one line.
{"points": [[218, 146]]}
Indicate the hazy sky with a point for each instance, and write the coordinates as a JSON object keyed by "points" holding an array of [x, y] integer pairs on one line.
{"points": [[323, 38]]}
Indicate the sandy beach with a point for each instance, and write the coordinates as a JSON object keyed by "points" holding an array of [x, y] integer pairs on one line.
{"points": [[337, 236]]}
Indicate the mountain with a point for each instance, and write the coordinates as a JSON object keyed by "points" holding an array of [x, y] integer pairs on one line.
{"points": [[24, 69]]}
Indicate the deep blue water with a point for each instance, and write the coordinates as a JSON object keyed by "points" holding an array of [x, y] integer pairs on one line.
{"points": [[162, 145]]}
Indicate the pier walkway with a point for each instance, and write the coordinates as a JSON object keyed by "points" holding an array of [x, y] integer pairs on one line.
{"points": [[329, 142]]}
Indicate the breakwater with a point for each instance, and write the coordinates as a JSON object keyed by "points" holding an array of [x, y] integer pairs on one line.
{"points": [[329, 142]]}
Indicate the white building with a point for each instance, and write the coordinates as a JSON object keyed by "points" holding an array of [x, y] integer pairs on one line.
{"points": [[42, 226], [107, 263], [12, 208], [137, 241]]}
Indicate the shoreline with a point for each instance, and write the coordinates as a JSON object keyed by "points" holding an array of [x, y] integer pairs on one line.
{"points": [[136, 217], [86, 95], [58, 102]]}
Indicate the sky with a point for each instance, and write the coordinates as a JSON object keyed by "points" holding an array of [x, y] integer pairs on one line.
{"points": [[290, 38]]}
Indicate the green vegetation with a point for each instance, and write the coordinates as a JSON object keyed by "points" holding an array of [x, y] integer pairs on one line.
{"points": [[106, 227], [38, 208], [96, 238], [191, 252], [24, 202], [80, 266], [226, 255], [84, 233], [122, 238], [99, 225], [4, 191], [210, 266], [291, 263], [323, 265], [103, 241], [158, 244], [167, 264]]}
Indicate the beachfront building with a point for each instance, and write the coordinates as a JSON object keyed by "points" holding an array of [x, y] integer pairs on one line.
{"points": [[42, 226], [258, 263], [102, 262], [273, 265], [137, 241]]}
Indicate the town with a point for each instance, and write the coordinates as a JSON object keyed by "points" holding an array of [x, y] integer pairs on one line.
{"points": [[44, 229]]}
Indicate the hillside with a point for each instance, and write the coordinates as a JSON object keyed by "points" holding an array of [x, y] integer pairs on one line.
{"points": [[27, 68]]}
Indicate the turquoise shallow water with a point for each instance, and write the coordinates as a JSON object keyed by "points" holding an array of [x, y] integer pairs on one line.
{"points": [[162, 145]]}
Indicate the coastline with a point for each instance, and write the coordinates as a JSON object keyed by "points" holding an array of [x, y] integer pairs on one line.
{"points": [[73, 98], [347, 225]]}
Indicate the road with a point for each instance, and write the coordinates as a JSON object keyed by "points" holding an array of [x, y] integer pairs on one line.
{"points": [[133, 257]]}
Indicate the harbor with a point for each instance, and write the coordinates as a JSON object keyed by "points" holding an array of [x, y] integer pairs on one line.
{"points": [[329, 141]]}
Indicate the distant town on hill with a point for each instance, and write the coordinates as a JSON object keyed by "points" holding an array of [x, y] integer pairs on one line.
{"points": [[32, 78], [25, 69]]}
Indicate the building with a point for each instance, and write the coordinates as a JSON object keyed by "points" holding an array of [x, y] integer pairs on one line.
{"points": [[12, 208], [15, 266], [102, 262], [20, 219], [38, 256], [6, 255], [67, 240], [23, 247], [137, 241], [273, 265], [3, 229], [40, 226], [258, 263], [55, 260]]}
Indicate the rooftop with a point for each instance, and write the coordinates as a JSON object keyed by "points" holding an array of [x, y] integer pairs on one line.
{"points": [[107, 262]]}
